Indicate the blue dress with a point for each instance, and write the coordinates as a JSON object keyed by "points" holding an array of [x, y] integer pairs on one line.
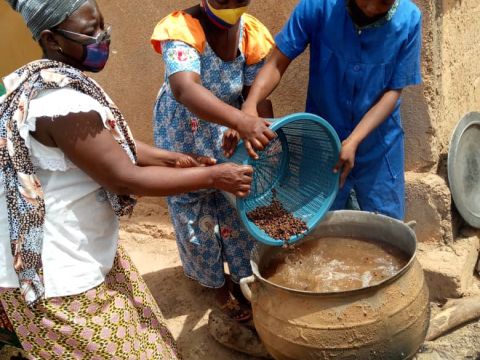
{"points": [[208, 229], [350, 69]]}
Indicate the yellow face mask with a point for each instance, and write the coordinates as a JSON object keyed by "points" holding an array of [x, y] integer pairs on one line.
{"points": [[223, 18]]}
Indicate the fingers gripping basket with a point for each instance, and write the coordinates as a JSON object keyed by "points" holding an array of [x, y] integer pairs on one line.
{"points": [[297, 166]]}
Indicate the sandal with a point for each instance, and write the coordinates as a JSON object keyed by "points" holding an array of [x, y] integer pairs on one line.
{"points": [[233, 309]]}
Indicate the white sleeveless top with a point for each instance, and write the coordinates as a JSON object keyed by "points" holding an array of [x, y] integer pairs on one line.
{"points": [[81, 229]]}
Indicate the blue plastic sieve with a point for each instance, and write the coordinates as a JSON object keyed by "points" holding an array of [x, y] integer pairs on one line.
{"points": [[298, 164]]}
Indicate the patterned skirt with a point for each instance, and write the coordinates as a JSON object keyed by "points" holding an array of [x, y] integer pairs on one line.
{"points": [[119, 319], [7, 332]]}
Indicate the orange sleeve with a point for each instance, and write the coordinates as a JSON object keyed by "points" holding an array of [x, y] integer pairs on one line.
{"points": [[179, 26], [257, 40]]}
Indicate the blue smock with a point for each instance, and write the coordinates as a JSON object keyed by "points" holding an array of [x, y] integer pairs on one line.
{"points": [[350, 69]]}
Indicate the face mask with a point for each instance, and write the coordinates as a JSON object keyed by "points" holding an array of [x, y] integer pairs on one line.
{"points": [[95, 56], [96, 49], [223, 18]]}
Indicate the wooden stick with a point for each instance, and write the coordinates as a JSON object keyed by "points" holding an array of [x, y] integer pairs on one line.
{"points": [[456, 312]]}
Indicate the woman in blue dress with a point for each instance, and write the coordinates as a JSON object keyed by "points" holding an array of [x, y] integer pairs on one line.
{"points": [[212, 53]]}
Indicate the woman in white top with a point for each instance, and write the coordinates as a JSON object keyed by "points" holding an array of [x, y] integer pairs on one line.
{"points": [[69, 168]]}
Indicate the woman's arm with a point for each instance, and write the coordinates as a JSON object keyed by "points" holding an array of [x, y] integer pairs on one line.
{"points": [[266, 81], [151, 156], [86, 142], [231, 137], [188, 90], [372, 119]]}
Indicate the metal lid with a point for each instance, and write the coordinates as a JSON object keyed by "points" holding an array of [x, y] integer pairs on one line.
{"points": [[464, 168]]}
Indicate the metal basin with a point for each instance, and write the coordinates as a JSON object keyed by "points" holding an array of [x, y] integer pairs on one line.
{"points": [[386, 321]]}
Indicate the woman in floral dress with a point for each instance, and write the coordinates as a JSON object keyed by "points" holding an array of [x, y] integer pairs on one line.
{"points": [[212, 53]]}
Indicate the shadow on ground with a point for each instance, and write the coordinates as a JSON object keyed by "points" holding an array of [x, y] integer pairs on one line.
{"points": [[185, 306]]}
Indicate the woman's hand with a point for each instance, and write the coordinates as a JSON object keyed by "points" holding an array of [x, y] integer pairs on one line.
{"points": [[255, 133], [346, 160], [264, 109], [188, 161], [370, 121], [250, 108], [230, 142], [233, 178]]}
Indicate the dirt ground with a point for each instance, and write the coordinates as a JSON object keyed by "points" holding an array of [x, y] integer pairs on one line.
{"points": [[149, 238], [464, 343]]}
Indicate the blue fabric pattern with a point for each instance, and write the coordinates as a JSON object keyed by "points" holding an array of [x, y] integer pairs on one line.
{"points": [[350, 68], [208, 230]]}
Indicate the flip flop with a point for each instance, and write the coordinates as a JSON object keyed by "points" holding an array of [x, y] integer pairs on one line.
{"points": [[233, 309]]}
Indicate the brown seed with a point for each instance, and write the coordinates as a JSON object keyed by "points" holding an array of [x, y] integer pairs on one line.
{"points": [[274, 220]]}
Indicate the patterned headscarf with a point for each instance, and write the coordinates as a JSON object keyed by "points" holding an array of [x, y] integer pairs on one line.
{"points": [[42, 15], [23, 191]]}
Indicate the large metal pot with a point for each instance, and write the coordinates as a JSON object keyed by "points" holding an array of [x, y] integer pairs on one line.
{"points": [[386, 321]]}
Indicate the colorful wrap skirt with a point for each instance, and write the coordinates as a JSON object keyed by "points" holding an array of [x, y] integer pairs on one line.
{"points": [[118, 319]]}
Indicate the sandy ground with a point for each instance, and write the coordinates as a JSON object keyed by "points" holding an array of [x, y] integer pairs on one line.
{"points": [[464, 343], [149, 238]]}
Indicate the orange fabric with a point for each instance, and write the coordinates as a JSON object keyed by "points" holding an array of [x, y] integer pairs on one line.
{"points": [[179, 26], [256, 44], [257, 40]]}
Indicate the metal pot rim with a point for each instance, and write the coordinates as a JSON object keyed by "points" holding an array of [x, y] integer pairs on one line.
{"points": [[342, 293]]}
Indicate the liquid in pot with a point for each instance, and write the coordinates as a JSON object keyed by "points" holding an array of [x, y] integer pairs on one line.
{"points": [[334, 264]]}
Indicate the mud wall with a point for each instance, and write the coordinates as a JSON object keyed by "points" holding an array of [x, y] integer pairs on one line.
{"points": [[16, 44], [460, 51], [135, 73], [450, 69], [451, 89]]}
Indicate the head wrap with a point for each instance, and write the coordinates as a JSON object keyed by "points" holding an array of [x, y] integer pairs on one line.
{"points": [[42, 15]]}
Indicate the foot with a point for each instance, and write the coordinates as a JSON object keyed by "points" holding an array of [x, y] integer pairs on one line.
{"points": [[230, 306], [236, 336], [238, 294], [233, 309]]}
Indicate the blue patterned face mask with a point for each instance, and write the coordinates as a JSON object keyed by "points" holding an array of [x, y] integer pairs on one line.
{"points": [[96, 49], [95, 56]]}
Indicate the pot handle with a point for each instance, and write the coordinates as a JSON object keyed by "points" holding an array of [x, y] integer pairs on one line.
{"points": [[412, 224], [244, 286]]}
